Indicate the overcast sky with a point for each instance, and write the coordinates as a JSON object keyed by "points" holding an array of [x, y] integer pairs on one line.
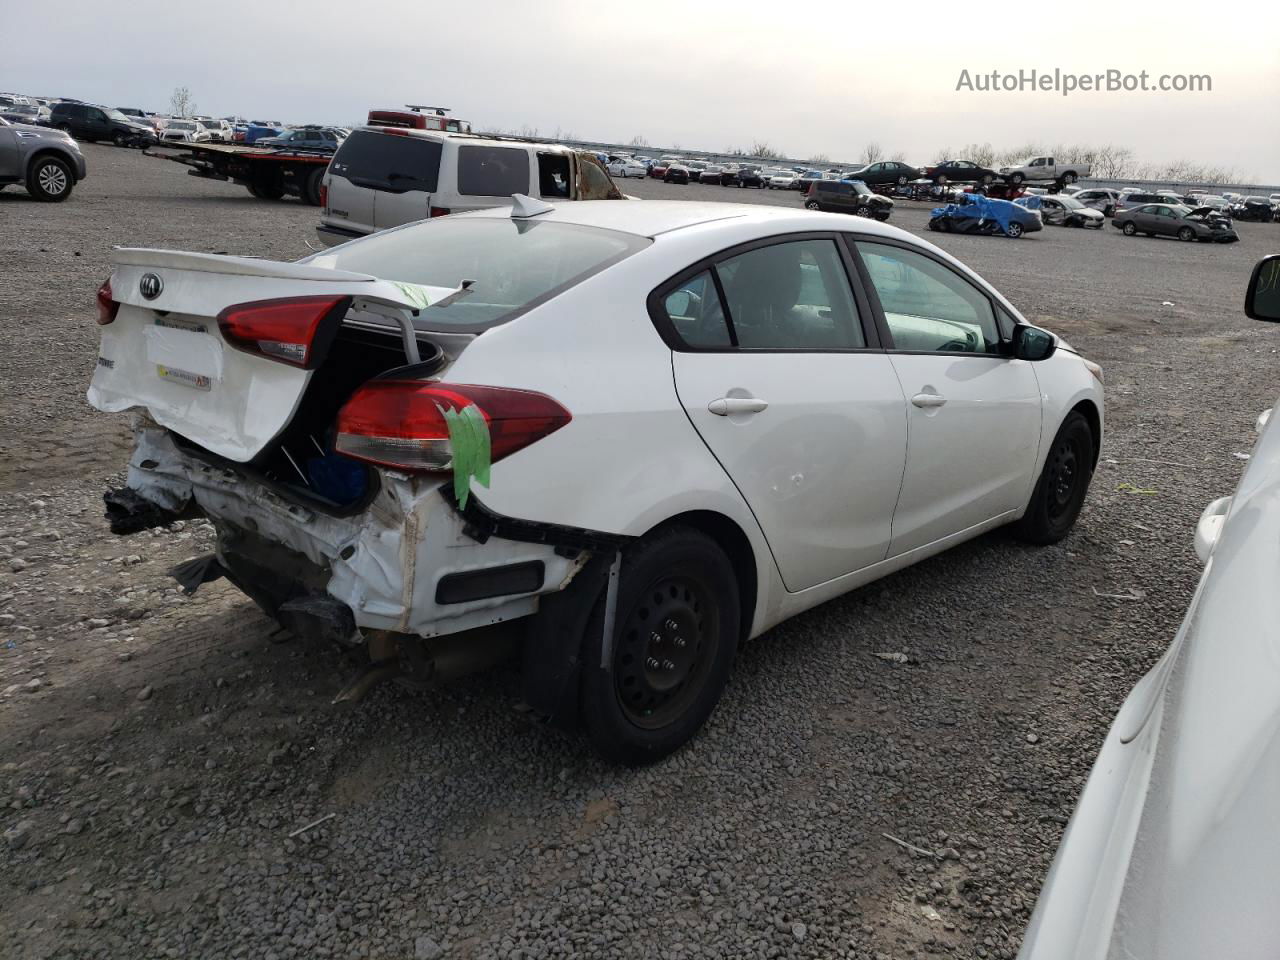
{"points": [[807, 77]]}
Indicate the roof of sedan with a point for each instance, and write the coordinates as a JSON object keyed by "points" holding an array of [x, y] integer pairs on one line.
{"points": [[648, 218]]}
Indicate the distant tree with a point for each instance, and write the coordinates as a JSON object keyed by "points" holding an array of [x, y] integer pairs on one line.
{"points": [[900, 156], [763, 150], [180, 103], [871, 153], [638, 140], [528, 132], [819, 158]]}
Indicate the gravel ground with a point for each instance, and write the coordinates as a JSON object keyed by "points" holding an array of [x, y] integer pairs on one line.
{"points": [[158, 754]]}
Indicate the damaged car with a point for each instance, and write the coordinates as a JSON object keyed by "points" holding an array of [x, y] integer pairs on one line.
{"points": [[613, 440], [1174, 220], [1063, 211], [975, 213]]}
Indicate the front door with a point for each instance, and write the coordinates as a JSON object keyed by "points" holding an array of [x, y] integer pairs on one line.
{"points": [[773, 367], [973, 413]]}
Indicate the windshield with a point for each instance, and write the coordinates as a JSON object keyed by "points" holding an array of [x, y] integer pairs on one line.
{"points": [[860, 187], [1071, 203], [210, 124], [117, 115], [181, 125], [514, 265]]}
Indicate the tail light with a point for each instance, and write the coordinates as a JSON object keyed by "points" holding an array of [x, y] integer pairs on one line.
{"points": [[402, 423], [438, 211], [292, 331], [324, 196], [107, 307], [812, 186]]}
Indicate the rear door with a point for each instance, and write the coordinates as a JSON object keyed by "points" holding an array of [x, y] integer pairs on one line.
{"points": [[487, 175], [381, 179], [779, 371], [973, 414]]}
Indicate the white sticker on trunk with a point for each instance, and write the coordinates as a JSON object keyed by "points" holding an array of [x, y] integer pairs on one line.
{"points": [[184, 355]]}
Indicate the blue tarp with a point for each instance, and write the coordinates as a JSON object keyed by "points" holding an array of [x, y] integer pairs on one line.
{"points": [[975, 206]]}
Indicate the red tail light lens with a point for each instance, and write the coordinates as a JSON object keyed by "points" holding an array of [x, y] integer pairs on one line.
{"points": [[438, 212], [107, 307], [292, 331], [324, 196], [401, 423]]}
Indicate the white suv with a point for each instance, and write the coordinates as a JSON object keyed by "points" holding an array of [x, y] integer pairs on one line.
{"points": [[386, 176]]}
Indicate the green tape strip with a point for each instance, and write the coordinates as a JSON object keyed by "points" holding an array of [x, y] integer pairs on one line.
{"points": [[469, 439], [414, 293]]}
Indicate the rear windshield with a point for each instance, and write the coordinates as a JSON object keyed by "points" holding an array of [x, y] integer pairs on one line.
{"points": [[515, 265], [493, 171], [386, 161]]}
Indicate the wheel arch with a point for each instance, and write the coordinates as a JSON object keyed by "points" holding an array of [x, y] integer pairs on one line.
{"points": [[735, 543], [1089, 410], [57, 154]]}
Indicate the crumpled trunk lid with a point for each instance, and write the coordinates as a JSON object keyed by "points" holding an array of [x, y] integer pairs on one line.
{"points": [[166, 354]]}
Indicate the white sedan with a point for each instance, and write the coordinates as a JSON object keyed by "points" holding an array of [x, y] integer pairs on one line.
{"points": [[1173, 850], [649, 431], [626, 167]]}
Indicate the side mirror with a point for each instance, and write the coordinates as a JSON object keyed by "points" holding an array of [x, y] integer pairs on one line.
{"points": [[1032, 343], [1262, 302]]}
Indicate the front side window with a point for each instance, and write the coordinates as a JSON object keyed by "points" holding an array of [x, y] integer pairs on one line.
{"points": [[927, 306], [493, 171]]}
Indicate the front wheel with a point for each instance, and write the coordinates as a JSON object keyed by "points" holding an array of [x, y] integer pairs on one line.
{"points": [[50, 180], [1129, 229], [673, 645], [1186, 234], [862, 211], [119, 139], [811, 204], [1017, 179], [1064, 481]]}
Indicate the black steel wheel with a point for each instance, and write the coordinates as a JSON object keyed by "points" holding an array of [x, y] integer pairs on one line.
{"points": [[675, 636], [1064, 481]]}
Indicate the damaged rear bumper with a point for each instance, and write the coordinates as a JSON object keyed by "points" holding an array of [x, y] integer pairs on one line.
{"points": [[406, 562]]}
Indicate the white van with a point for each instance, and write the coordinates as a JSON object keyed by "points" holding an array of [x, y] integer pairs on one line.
{"points": [[385, 176]]}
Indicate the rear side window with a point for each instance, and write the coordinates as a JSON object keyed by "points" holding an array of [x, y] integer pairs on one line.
{"points": [[694, 310], [389, 162], [493, 171]]}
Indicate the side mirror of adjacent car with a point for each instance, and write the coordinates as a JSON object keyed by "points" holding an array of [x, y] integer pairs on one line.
{"points": [[1032, 343], [1262, 302]]}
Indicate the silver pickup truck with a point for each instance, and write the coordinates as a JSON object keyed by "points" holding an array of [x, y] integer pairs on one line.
{"points": [[48, 162], [1045, 168]]}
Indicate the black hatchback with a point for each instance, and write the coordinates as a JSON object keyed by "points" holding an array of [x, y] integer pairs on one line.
{"points": [[848, 196]]}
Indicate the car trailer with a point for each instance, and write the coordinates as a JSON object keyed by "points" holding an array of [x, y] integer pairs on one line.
{"points": [[268, 172]]}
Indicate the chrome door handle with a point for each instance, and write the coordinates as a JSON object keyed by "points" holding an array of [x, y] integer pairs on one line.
{"points": [[724, 406], [928, 400]]}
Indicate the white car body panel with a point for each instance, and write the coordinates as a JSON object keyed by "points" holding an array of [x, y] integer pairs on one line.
{"points": [[626, 168], [1173, 851], [631, 456]]}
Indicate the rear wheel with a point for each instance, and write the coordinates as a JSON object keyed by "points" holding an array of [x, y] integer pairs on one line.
{"points": [[1014, 230], [811, 204], [674, 642], [50, 180], [311, 186], [265, 190]]}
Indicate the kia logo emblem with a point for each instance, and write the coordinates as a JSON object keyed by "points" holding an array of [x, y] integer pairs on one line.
{"points": [[150, 286]]}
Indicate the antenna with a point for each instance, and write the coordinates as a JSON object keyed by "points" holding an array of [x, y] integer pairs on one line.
{"points": [[523, 207]]}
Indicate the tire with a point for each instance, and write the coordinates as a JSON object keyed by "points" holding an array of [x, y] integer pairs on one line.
{"points": [[1186, 234], [50, 180], [1068, 178], [675, 640], [1014, 231], [65, 128], [1064, 481], [862, 211], [119, 139], [811, 205], [1129, 229], [1017, 179], [266, 191], [311, 186], [988, 179]]}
